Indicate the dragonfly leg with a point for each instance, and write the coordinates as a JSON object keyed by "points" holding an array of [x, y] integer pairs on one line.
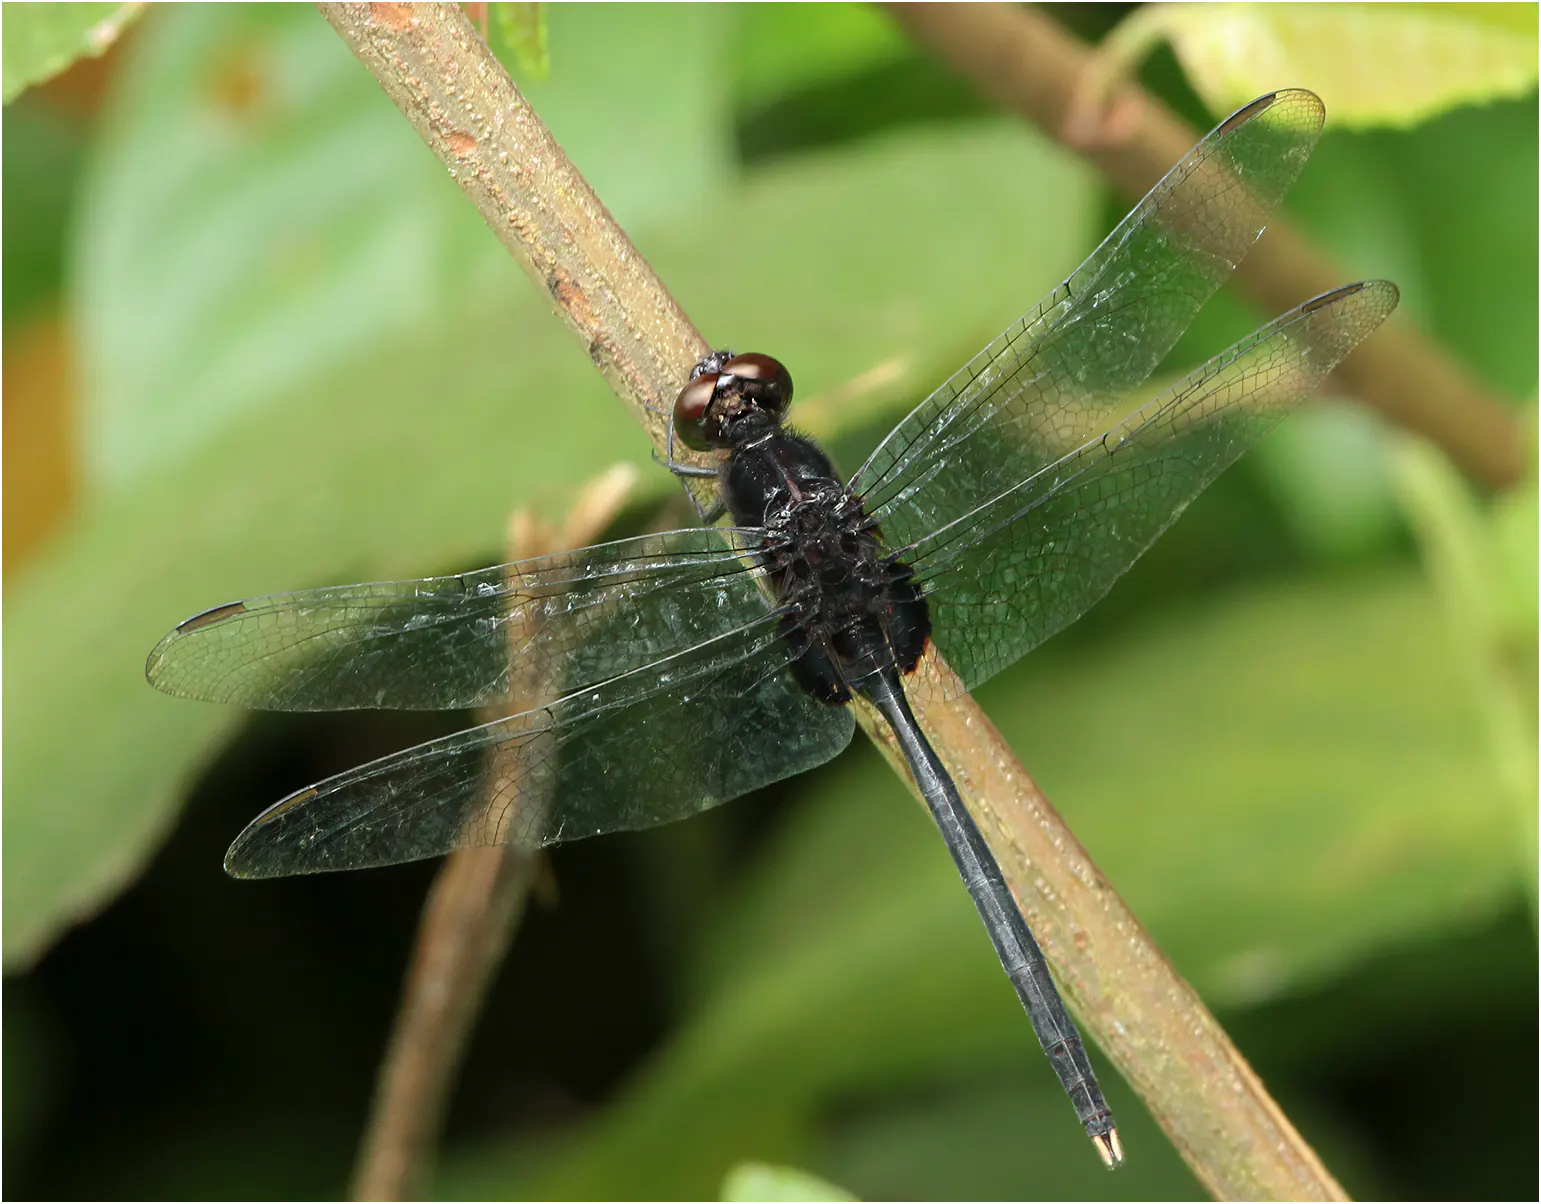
{"points": [[708, 514], [682, 470]]}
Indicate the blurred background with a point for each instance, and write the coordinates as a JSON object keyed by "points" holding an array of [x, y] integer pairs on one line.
{"points": [[256, 340]]}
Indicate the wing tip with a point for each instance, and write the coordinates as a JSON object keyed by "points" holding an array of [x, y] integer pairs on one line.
{"points": [[157, 666], [239, 863], [1382, 296], [1299, 102], [243, 858], [1247, 112], [207, 618], [152, 663]]}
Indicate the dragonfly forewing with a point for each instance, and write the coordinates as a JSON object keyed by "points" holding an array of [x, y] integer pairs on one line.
{"points": [[1030, 561], [470, 639], [1057, 376]]}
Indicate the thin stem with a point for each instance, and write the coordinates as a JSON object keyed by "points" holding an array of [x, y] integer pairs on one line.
{"points": [[473, 910], [1023, 60], [432, 63], [1146, 1019], [476, 902]]}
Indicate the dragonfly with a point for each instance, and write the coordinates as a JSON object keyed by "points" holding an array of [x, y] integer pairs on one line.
{"points": [[654, 677]]}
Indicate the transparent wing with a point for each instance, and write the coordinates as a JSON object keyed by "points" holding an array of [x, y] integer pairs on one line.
{"points": [[1030, 561], [1056, 377], [660, 743], [475, 639]]}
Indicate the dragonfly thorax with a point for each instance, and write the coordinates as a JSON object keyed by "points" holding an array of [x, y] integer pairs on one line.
{"points": [[853, 611]]}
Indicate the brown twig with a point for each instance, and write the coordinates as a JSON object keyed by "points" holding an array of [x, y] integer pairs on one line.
{"points": [[467, 924], [1023, 60], [1147, 1020], [472, 911], [432, 63]]}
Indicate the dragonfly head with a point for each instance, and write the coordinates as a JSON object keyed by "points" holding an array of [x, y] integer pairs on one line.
{"points": [[731, 398]]}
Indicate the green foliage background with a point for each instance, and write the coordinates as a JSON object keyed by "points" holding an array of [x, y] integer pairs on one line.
{"points": [[1299, 738]]}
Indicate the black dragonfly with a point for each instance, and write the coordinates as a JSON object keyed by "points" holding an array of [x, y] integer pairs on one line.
{"points": [[665, 674]]}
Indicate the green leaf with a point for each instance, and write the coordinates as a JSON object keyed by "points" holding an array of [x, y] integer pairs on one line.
{"points": [[43, 154], [41, 40], [522, 38], [240, 241], [1447, 210], [1468, 185], [989, 1137], [759, 1181], [994, 1136], [1328, 469], [654, 141], [800, 46], [1374, 64], [257, 215], [1309, 741], [1516, 536], [1471, 562], [1293, 780], [326, 369]]}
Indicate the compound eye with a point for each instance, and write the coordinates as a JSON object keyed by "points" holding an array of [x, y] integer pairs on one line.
{"points": [[690, 411], [775, 388]]}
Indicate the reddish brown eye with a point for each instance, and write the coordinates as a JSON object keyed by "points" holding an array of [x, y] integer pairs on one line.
{"points": [[690, 409], [776, 382]]}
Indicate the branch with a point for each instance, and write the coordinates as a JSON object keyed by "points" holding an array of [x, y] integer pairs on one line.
{"points": [[473, 910], [435, 67], [1025, 62], [1146, 1019]]}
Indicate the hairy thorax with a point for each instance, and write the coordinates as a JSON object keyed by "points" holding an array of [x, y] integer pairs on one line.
{"points": [[853, 610]]}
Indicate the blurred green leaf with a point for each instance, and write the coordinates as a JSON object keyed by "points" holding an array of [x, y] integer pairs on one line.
{"points": [[1374, 64], [989, 1138], [1355, 202], [257, 215], [269, 431], [654, 140], [1456, 546], [1515, 533], [41, 40], [758, 1181], [43, 152], [521, 37], [1328, 466], [799, 46], [1467, 183], [1293, 779], [1468, 562], [260, 215], [1277, 790], [1312, 743]]}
